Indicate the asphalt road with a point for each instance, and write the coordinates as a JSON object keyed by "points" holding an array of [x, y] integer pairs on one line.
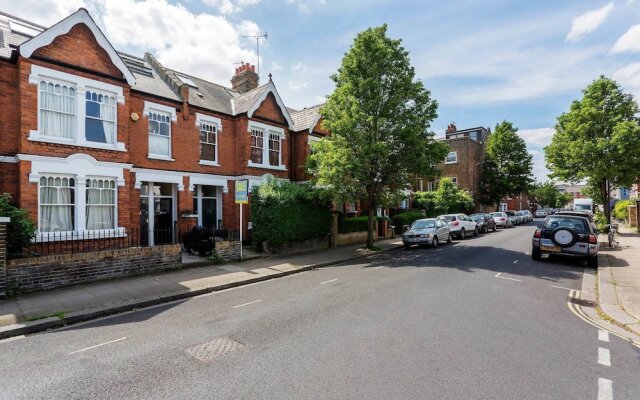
{"points": [[476, 319]]}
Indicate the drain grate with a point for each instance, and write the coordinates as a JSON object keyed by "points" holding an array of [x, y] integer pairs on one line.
{"points": [[213, 349], [582, 302]]}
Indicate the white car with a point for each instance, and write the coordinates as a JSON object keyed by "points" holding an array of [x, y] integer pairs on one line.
{"points": [[461, 225], [502, 219], [540, 213]]}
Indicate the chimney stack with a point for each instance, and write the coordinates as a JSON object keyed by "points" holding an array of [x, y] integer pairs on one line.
{"points": [[451, 128], [245, 78]]}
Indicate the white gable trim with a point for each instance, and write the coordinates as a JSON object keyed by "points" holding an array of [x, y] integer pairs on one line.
{"points": [[271, 89], [315, 122], [208, 119], [78, 164], [157, 175], [63, 27]]}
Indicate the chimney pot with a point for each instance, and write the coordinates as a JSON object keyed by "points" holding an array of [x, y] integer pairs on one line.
{"points": [[245, 78]]}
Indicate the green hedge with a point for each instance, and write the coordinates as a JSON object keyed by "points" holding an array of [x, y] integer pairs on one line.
{"points": [[406, 218], [621, 210], [283, 212], [355, 224], [21, 228]]}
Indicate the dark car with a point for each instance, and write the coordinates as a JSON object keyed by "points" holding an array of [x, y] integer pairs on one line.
{"points": [[485, 222], [566, 235]]}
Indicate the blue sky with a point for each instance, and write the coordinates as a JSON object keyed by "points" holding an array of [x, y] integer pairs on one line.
{"points": [[484, 61]]}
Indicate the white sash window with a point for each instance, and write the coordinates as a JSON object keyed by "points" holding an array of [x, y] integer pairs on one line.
{"points": [[101, 204], [100, 117], [57, 110], [57, 204]]}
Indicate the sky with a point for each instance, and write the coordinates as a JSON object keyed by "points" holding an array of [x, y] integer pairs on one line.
{"points": [[484, 61]]}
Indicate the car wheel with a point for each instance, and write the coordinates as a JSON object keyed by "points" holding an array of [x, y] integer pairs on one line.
{"points": [[592, 262], [476, 231], [463, 235], [495, 228], [449, 240], [407, 246], [435, 242], [535, 254]]}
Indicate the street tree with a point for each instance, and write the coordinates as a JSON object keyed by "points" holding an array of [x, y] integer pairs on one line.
{"points": [[447, 198], [507, 167], [598, 139], [379, 117], [545, 194]]}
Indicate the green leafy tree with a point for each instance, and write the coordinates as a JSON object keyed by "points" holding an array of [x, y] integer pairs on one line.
{"points": [[598, 140], [563, 199], [545, 194], [447, 198], [378, 116], [21, 228], [508, 164]]}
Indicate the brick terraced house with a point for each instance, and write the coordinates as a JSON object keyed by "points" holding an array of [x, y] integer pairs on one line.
{"points": [[98, 141]]}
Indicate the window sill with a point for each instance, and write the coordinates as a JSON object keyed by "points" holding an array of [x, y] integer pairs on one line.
{"points": [[450, 162], [209, 163], [266, 166], [62, 236], [160, 157], [34, 136]]}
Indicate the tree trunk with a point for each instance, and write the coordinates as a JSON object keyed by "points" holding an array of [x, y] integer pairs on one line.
{"points": [[604, 191], [372, 223]]}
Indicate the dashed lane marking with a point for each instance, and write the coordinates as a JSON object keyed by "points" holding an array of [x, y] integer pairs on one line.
{"points": [[329, 281], [603, 336], [515, 262], [246, 304], [504, 277], [378, 267], [98, 345], [605, 389], [604, 357], [561, 287]]}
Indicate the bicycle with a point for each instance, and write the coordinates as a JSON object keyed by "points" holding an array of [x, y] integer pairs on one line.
{"points": [[612, 228]]}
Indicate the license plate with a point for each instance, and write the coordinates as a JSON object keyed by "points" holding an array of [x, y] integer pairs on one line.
{"points": [[553, 249]]}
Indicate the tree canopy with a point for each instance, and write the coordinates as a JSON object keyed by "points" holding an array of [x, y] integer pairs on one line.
{"points": [[379, 117], [598, 139], [547, 195], [507, 167], [446, 199]]}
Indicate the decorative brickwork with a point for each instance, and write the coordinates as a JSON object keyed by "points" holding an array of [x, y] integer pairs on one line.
{"points": [[50, 272]]}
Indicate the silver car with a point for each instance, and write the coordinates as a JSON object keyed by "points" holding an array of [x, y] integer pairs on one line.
{"points": [[502, 219], [566, 235], [429, 231]]}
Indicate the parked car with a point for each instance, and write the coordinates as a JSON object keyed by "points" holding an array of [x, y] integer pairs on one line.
{"points": [[461, 225], [540, 213], [566, 235], [522, 217], [528, 215], [484, 221], [502, 219], [429, 231], [513, 217], [584, 214]]}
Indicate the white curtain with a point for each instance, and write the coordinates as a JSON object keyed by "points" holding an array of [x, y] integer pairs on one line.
{"points": [[108, 114], [57, 110], [159, 144], [56, 212], [100, 208]]}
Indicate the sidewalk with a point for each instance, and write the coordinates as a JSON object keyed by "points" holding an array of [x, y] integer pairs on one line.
{"points": [[44, 310], [619, 280]]}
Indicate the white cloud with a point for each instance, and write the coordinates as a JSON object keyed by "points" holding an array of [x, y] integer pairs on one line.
{"points": [[230, 6], [305, 5], [33, 10], [588, 22], [629, 77], [538, 137], [629, 42], [295, 86]]}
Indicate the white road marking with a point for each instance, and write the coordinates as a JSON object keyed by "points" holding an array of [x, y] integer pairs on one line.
{"points": [[515, 262], [332, 280], [504, 277], [560, 287], [98, 345], [246, 304], [526, 254], [604, 357], [605, 389], [378, 267], [603, 336]]}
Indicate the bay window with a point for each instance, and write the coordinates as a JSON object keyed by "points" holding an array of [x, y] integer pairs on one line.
{"points": [[57, 204], [100, 204]]}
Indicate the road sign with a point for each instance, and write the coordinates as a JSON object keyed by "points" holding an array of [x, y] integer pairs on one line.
{"points": [[242, 191]]}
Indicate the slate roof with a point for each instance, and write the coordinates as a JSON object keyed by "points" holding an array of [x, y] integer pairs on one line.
{"points": [[306, 118], [11, 38], [242, 103], [147, 79]]}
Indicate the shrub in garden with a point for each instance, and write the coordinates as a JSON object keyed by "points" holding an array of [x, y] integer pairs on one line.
{"points": [[621, 209], [20, 230]]}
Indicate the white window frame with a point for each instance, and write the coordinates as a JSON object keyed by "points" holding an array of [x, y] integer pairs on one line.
{"points": [[81, 86], [453, 160], [454, 180], [267, 130], [274, 137], [217, 122], [149, 108], [115, 205]]}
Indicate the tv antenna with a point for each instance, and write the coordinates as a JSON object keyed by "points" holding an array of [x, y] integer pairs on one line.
{"points": [[257, 38]]}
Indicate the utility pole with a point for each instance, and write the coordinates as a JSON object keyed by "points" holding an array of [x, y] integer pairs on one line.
{"points": [[257, 38]]}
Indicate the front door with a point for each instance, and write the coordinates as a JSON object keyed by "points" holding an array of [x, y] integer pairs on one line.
{"points": [[157, 214]]}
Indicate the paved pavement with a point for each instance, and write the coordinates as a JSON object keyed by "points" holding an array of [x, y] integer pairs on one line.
{"points": [[619, 281], [477, 319], [45, 309]]}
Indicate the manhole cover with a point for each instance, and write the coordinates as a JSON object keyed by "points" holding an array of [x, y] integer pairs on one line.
{"points": [[582, 302], [213, 349]]}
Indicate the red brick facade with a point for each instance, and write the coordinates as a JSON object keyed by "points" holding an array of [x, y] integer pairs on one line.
{"points": [[80, 54]]}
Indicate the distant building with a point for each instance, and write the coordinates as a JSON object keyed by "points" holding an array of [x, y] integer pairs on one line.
{"points": [[576, 190]]}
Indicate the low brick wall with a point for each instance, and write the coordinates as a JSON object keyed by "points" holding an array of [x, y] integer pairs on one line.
{"points": [[297, 246], [49, 272], [3, 255], [347, 239], [633, 216], [229, 249]]}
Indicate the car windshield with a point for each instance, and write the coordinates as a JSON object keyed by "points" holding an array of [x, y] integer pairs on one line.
{"points": [[497, 214], [449, 218], [476, 217], [427, 223], [511, 213], [577, 224]]}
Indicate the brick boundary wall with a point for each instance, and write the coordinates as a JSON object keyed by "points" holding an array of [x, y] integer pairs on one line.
{"points": [[3, 256], [49, 272], [297, 246], [229, 249]]}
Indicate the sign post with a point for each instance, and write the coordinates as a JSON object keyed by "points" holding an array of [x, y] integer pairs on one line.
{"points": [[242, 197]]}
